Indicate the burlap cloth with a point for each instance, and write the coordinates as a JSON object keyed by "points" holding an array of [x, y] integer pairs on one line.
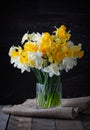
{"points": [[69, 109]]}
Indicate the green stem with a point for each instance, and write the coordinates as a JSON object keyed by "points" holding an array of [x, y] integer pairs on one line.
{"points": [[49, 94]]}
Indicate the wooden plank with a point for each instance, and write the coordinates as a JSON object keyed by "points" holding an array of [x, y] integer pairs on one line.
{"points": [[69, 125], [86, 121], [27, 123], [43, 124], [3, 119], [19, 123]]}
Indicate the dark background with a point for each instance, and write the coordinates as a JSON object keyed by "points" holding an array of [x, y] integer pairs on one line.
{"points": [[18, 17]]}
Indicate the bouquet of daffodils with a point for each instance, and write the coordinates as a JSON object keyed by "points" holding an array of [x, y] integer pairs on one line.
{"points": [[46, 53]]}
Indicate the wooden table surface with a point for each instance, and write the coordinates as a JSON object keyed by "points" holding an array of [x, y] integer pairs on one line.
{"points": [[10, 122]]}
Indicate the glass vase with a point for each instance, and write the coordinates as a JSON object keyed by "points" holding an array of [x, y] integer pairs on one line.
{"points": [[49, 95]]}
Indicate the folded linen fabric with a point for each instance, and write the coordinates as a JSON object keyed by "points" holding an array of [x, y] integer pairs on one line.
{"points": [[69, 109]]}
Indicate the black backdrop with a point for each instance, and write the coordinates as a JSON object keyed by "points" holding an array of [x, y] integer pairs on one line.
{"points": [[18, 17]]}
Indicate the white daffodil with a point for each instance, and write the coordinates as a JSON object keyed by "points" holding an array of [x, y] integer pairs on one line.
{"points": [[52, 69], [70, 44], [12, 49], [37, 58], [33, 37], [25, 37], [16, 62], [68, 63], [36, 37], [79, 45]]}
